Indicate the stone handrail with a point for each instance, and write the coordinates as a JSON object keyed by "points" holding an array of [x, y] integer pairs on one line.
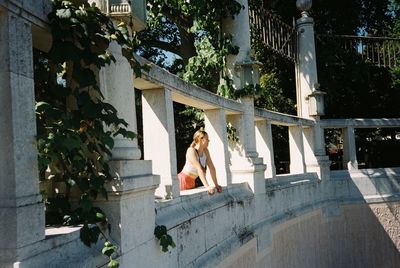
{"points": [[250, 160], [348, 127], [361, 123]]}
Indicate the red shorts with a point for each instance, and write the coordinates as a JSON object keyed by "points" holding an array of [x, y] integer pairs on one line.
{"points": [[186, 182]]}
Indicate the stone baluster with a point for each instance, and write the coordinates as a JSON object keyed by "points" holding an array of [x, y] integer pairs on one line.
{"points": [[22, 220], [215, 125], [296, 149], [265, 147], [159, 139], [349, 148]]}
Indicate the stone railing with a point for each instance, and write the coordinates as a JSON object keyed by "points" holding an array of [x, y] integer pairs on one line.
{"points": [[207, 230], [132, 12], [250, 160], [348, 126], [120, 9]]}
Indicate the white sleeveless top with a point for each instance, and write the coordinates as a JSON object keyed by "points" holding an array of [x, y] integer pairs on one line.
{"points": [[190, 169]]}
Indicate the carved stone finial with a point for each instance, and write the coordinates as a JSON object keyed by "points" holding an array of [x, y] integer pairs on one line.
{"points": [[304, 6]]}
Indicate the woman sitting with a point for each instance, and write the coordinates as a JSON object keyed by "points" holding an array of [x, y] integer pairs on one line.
{"points": [[197, 160]]}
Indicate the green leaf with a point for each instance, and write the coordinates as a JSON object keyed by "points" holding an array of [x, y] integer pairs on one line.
{"points": [[86, 203], [72, 142], [100, 216], [113, 264], [85, 235], [109, 249], [159, 231], [63, 13]]}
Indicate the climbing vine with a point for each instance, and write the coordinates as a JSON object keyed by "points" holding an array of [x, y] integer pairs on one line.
{"points": [[75, 125], [164, 238]]}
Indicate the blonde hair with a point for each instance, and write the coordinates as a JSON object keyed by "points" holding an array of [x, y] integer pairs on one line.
{"points": [[197, 136]]}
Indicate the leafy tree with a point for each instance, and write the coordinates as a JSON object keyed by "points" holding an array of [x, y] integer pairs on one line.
{"points": [[190, 31]]}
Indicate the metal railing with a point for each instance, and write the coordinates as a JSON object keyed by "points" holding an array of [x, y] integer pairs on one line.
{"points": [[280, 38], [380, 51], [273, 32]]}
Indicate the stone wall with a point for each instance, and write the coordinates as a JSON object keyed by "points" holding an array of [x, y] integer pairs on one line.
{"points": [[352, 237]]}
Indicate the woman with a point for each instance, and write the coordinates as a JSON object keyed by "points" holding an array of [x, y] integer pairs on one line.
{"points": [[197, 160]]}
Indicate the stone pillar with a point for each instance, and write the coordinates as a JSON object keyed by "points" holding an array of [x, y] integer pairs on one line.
{"points": [[159, 139], [130, 207], [215, 125], [349, 148], [296, 149], [246, 166], [306, 67], [22, 220], [116, 83], [309, 99], [265, 147], [239, 28]]}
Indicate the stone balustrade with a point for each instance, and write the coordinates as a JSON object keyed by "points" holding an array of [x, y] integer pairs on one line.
{"points": [[253, 154], [260, 218], [348, 127]]}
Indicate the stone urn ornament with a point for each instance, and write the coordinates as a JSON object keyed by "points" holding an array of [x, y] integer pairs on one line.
{"points": [[304, 6]]}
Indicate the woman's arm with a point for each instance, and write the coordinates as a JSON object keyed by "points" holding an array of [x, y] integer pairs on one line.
{"points": [[213, 173]]}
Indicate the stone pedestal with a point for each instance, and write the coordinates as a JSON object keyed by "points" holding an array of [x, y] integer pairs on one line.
{"points": [[21, 207], [130, 205]]}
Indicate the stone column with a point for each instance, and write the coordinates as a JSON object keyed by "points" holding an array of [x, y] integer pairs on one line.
{"points": [[246, 166], [349, 148], [116, 83], [159, 139], [306, 66], [239, 28], [309, 98], [130, 207], [215, 125], [265, 147], [296, 149], [22, 220]]}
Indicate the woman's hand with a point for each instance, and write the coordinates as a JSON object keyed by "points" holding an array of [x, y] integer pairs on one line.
{"points": [[219, 188], [210, 190]]}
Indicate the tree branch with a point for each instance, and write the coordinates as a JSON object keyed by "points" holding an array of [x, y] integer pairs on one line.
{"points": [[162, 45]]}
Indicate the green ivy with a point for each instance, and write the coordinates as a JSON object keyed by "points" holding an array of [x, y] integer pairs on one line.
{"points": [[231, 132], [75, 125], [165, 239], [253, 90], [204, 69]]}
